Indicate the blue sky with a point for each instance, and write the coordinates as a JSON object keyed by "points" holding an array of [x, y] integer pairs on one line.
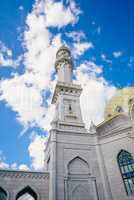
{"points": [[100, 36]]}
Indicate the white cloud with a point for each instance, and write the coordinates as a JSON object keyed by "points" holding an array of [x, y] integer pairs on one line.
{"points": [[79, 48], [4, 165], [6, 59], [96, 92], [105, 59], [23, 167], [117, 54], [36, 151], [26, 101], [57, 15], [77, 36], [13, 166], [89, 68], [80, 45], [39, 64]]}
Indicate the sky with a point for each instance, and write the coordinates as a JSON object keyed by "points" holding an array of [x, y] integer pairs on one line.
{"points": [[99, 35]]}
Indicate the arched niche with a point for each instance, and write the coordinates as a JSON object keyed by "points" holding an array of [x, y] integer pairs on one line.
{"points": [[78, 166], [3, 194], [26, 194]]}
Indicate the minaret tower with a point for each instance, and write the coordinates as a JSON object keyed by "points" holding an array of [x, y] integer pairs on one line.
{"points": [[66, 95], [69, 152]]}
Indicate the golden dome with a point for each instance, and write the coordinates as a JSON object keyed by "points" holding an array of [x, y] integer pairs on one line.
{"points": [[122, 102]]}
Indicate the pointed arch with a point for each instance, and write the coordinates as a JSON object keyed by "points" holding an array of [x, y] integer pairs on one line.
{"points": [[78, 166], [3, 194], [126, 165], [27, 190]]}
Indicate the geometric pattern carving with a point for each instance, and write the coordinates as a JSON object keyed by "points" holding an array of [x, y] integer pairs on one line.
{"points": [[23, 174], [80, 193]]}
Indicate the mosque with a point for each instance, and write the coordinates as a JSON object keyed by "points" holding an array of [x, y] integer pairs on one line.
{"points": [[80, 164]]}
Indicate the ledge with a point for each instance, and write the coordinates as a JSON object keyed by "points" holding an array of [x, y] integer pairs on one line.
{"points": [[23, 174]]}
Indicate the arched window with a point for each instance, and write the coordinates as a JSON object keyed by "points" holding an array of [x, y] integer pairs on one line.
{"points": [[3, 194], [26, 194], [126, 165]]}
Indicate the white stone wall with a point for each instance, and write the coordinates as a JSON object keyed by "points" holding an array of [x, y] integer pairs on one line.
{"points": [[70, 146], [110, 148], [113, 136], [15, 181]]}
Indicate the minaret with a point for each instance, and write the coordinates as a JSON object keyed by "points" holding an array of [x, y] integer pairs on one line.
{"points": [[67, 94], [64, 64], [70, 150]]}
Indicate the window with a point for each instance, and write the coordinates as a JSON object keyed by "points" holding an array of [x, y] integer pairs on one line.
{"points": [[3, 194], [70, 108], [26, 197], [26, 194], [126, 165], [48, 164], [119, 109]]}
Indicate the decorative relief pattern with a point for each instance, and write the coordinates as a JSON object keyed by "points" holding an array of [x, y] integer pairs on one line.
{"points": [[69, 88], [17, 174], [79, 185], [72, 128], [80, 193]]}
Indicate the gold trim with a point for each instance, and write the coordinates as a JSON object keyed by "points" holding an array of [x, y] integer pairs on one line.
{"points": [[111, 118]]}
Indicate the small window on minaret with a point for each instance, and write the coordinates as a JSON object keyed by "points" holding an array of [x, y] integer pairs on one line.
{"points": [[48, 163], [70, 108]]}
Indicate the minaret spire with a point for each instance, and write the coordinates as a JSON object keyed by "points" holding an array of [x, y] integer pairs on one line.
{"points": [[64, 64]]}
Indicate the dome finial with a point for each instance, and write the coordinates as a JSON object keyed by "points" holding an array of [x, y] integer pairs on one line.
{"points": [[63, 47]]}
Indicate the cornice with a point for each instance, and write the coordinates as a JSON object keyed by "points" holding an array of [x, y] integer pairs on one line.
{"points": [[113, 132], [118, 123], [66, 88], [23, 174]]}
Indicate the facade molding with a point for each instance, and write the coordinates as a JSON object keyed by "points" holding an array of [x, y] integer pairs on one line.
{"points": [[24, 174]]}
